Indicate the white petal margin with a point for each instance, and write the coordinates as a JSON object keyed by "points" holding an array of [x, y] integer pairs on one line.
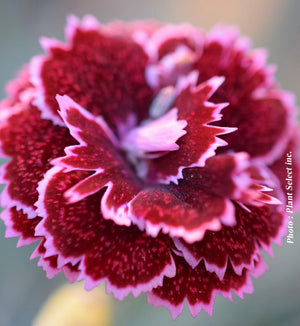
{"points": [[190, 236], [121, 293]]}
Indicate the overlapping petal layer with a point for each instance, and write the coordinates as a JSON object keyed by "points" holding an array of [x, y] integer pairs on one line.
{"points": [[141, 155], [240, 244], [233, 176], [164, 209], [257, 107], [31, 142], [101, 71], [200, 141], [200, 287], [96, 153], [127, 258]]}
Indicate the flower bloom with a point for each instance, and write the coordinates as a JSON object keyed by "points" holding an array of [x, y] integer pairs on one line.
{"points": [[151, 157]]}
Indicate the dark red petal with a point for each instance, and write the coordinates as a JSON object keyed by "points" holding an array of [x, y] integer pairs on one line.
{"points": [[96, 141], [50, 264], [181, 211], [200, 141], [19, 225], [263, 125], [69, 229], [260, 111], [199, 287], [96, 152], [31, 143], [100, 71], [233, 176], [228, 54], [128, 259], [256, 227]]}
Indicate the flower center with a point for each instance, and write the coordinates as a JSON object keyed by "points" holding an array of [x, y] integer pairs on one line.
{"points": [[157, 135]]}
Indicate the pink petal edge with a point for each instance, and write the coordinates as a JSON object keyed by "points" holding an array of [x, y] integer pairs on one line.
{"points": [[40, 229], [35, 68], [189, 236], [121, 293]]}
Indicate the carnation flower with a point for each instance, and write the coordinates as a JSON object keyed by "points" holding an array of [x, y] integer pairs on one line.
{"points": [[149, 156]]}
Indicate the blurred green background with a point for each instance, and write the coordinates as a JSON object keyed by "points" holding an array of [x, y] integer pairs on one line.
{"points": [[273, 24]]}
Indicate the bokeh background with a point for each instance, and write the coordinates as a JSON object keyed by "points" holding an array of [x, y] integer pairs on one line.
{"points": [[273, 24]]}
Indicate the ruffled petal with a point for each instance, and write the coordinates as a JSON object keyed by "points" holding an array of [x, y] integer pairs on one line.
{"points": [[50, 264], [256, 228], [97, 152], [200, 287], [101, 71], [129, 260], [19, 225], [181, 211], [264, 125], [261, 112], [200, 141], [233, 176], [31, 142]]}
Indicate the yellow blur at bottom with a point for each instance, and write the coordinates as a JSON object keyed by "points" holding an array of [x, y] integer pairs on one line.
{"points": [[72, 305]]}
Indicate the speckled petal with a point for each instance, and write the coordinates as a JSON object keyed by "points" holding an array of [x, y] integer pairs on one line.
{"points": [[99, 70], [19, 225], [261, 112], [97, 152], [200, 141], [31, 142], [180, 211], [233, 176], [256, 228], [77, 233], [199, 287]]}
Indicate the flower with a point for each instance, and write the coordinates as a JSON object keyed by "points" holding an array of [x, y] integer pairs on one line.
{"points": [[151, 157]]}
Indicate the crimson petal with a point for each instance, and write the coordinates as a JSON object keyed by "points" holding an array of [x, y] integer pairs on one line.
{"points": [[233, 176], [31, 142], [181, 211], [19, 225], [261, 112], [199, 287], [101, 71], [50, 264], [200, 141], [255, 228], [97, 152], [77, 233]]}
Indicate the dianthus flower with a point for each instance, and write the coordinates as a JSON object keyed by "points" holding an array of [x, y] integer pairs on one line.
{"points": [[150, 156]]}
